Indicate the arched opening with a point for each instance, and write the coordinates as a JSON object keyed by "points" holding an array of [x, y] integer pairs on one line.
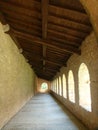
{"points": [[64, 86], [84, 87], [60, 87], [57, 85], [44, 87], [71, 89]]}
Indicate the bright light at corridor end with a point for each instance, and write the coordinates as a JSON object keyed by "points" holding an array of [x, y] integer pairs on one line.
{"points": [[44, 87]]}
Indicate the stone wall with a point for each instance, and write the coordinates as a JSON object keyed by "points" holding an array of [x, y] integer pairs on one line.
{"points": [[17, 79], [91, 7], [89, 56]]}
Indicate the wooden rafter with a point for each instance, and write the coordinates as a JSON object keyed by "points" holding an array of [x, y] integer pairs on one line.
{"points": [[2, 19], [69, 24], [44, 18], [49, 31], [69, 14], [39, 58], [47, 43], [44, 24], [66, 30], [19, 9]]}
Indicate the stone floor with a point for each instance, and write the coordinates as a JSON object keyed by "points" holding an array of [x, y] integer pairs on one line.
{"points": [[43, 112]]}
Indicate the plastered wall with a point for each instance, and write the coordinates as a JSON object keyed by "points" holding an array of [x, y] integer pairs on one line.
{"points": [[17, 79], [89, 56], [91, 7]]}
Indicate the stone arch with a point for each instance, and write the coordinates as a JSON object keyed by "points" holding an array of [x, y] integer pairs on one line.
{"points": [[60, 86], [84, 87], [64, 86], [71, 86]]}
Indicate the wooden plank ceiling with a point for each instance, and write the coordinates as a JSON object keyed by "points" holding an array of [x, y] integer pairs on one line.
{"points": [[48, 31]]}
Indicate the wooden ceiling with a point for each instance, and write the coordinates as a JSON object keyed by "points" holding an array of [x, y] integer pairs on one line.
{"points": [[48, 31]]}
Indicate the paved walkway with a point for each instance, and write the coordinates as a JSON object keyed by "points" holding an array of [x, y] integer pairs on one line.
{"points": [[42, 112]]}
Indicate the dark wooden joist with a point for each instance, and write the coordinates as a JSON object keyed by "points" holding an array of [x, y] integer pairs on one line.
{"points": [[54, 53], [44, 53], [24, 24], [44, 71], [19, 9], [22, 18], [47, 43], [48, 78], [27, 4], [54, 63], [65, 36], [40, 58], [44, 6], [66, 30], [69, 14], [36, 66], [47, 74], [63, 41], [26, 30], [52, 70], [69, 4], [69, 24], [58, 52]]}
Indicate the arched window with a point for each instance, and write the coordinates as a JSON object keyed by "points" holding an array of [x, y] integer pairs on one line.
{"points": [[57, 85], [71, 89], [54, 85], [51, 85], [64, 86], [60, 86], [44, 87], [84, 87]]}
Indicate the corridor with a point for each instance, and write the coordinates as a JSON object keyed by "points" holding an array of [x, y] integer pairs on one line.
{"points": [[43, 112]]}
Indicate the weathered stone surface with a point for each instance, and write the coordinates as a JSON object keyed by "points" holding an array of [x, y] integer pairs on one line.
{"points": [[91, 7], [89, 56]]}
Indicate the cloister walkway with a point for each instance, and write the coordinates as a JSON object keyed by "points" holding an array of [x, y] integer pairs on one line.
{"points": [[43, 112]]}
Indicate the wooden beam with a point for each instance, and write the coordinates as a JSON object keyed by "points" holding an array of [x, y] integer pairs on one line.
{"points": [[22, 18], [69, 4], [22, 23], [44, 18], [19, 9], [44, 7], [65, 36], [52, 70], [38, 57], [47, 43], [69, 24], [2, 19], [66, 30], [70, 14], [44, 71], [63, 41], [44, 53], [30, 31], [54, 63]]}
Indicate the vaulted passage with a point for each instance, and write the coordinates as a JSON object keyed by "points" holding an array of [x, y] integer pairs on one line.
{"points": [[48, 46], [43, 112]]}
